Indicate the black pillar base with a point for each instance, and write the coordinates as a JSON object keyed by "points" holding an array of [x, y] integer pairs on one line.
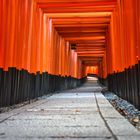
{"points": [[18, 86]]}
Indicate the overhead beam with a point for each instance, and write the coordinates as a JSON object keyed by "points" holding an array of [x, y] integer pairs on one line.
{"points": [[77, 34], [79, 15], [80, 29]]}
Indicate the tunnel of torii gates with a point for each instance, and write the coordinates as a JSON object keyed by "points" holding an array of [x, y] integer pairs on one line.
{"points": [[51, 45]]}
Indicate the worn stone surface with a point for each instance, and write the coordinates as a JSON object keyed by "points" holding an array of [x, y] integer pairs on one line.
{"points": [[79, 114], [128, 137]]}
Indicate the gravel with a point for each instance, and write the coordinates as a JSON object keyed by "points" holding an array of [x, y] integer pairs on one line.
{"points": [[128, 110]]}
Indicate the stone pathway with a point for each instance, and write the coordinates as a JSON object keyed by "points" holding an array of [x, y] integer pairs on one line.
{"points": [[78, 114]]}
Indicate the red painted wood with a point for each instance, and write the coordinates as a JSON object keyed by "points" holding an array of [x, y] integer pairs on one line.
{"points": [[36, 35]]}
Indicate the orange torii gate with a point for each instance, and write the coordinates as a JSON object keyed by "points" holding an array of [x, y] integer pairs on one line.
{"points": [[46, 41]]}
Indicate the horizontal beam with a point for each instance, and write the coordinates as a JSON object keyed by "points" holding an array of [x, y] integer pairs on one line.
{"points": [[94, 38], [79, 9], [89, 50], [93, 25], [79, 20], [84, 60], [91, 55], [87, 41], [71, 3], [78, 15], [80, 29], [81, 34]]}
